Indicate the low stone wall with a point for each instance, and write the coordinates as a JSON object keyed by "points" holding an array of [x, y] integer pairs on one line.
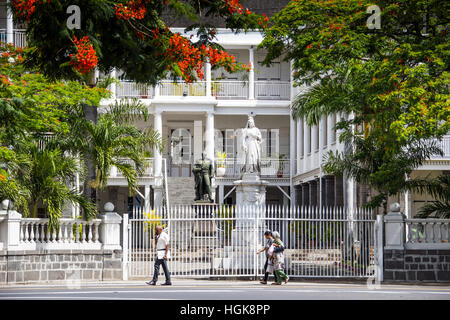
{"points": [[417, 265], [60, 265]]}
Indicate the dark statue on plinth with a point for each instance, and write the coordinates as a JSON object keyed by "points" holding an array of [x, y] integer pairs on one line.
{"points": [[203, 172]]}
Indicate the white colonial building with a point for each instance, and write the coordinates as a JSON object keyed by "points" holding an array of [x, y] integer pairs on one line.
{"points": [[208, 116]]}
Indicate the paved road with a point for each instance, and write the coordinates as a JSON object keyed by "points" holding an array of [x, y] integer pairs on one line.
{"points": [[222, 290]]}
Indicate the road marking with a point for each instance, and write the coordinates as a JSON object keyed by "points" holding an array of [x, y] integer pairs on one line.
{"points": [[80, 298]]}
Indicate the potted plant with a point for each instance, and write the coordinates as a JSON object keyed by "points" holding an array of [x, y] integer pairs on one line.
{"points": [[281, 157], [221, 156]]}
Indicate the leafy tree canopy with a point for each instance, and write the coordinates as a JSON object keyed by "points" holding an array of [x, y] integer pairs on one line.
{"points": [[389, 85], [129, 35]]}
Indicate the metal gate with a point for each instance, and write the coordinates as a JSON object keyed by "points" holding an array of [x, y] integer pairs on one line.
{"points": [[221, 241]]}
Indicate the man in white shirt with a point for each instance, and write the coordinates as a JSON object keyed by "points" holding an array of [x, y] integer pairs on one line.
{"points": [[162, 251]]}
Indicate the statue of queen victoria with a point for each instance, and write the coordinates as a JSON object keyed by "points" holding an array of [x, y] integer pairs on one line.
{"points": [[251, 144]]}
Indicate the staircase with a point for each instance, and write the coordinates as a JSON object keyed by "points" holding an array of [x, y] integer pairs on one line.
{"points": [[181, 190]]}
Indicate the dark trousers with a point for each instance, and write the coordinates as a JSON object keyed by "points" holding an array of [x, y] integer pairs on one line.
{"points": [[162, 262], [266, 274]]}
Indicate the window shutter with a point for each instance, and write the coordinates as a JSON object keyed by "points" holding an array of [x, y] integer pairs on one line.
{"points": [[263, 143], [218, 141], [274, 142], [229, 143]]}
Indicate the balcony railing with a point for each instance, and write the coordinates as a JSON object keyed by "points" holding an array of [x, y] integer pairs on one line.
{"points": [[171, 88], [148, 172], [129, 89], [230, 90], [445, 147], [270, 168], [272, 90], [221, 90], [19, 38]]}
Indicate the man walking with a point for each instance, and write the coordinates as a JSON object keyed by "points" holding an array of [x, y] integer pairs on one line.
{"points": [[162, 252]]}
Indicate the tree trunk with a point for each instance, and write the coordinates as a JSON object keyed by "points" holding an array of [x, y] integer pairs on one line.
{"points": [[90, 114]]}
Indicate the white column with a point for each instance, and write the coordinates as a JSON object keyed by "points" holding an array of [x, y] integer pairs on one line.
{"points": [[208, 78], [9, 24], [299, 143], [221, 194], [157, 90], [157, 163], [314, 141], [292, 145], [157, 126], [306, 145], [292, 155], [147, 198], [209, 135], [198, 139], [251, 75], [113, 85], [330, 128]]}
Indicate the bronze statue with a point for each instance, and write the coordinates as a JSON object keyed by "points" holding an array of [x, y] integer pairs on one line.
{"points": [[203, 173]]}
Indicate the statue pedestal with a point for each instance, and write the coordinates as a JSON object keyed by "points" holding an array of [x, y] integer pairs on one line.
{"points": [[250, 208], [204, 233]]}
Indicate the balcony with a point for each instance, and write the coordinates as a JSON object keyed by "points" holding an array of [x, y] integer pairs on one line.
{"points": [[221, 90], [270, 168], [19, 38], [445, 147], [148, 172]]}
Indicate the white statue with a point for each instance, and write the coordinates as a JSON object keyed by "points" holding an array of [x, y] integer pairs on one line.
{"points": [[251, 144]]}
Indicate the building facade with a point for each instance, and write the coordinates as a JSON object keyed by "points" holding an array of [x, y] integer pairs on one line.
{"points": [[208, 116]]}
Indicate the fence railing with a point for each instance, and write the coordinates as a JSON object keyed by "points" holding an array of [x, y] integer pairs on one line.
{"points": [[19, 37], [270, 168], [148, 171], [222, 241], [129, 89], [170, 88], [273, 90], [35, 234], [445, 147], [427, 233], [230, 89]]}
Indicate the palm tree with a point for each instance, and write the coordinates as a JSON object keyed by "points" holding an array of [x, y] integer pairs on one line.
{"points": [[113, 140], [439, 188], [48, 183]]}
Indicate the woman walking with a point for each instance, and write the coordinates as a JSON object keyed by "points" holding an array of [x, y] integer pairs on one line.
{"points": [[268, 265], [278, 259]]}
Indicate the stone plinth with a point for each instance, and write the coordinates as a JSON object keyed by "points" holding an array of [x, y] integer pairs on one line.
{"points": [[250, 209]]}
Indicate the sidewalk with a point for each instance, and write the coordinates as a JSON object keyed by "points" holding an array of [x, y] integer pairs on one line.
{"points": [[202, 283]]}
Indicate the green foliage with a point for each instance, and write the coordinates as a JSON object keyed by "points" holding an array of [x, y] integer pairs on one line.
{"points": [[38, 169], [227, 213], [439, 189], [221, 157], [127, 45], [390, 85]]}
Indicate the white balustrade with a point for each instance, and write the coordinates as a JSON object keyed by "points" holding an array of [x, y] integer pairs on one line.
{"points": [[270, 168], [445, 147], [19, 37], [230, 89], [36, 234], [148, 171], [273, 90], [174, 88], [428, 233], [129, 89]]}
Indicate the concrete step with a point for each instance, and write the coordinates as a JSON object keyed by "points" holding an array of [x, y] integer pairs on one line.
{"points": [[181, 190]]}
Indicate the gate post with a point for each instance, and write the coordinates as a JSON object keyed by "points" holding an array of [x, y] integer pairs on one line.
{"points": [[379, 249], [125, 247]]}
